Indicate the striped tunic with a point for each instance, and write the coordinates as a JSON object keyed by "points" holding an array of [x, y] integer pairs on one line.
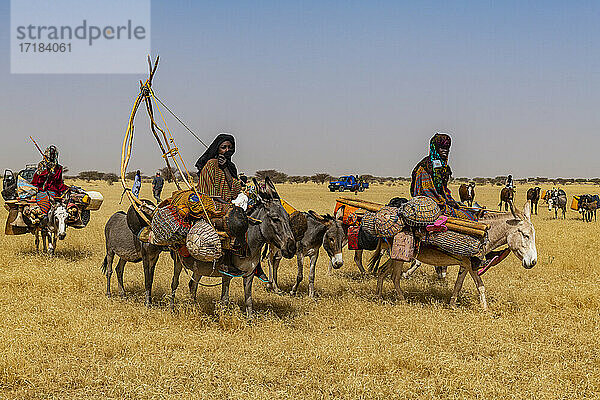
{"points": [[212, 182], [423, 186]]}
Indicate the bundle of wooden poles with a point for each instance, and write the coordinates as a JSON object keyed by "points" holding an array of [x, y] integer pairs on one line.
{"points": [[459, 225]]}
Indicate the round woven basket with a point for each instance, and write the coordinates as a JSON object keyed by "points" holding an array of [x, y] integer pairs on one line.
{"points": [[203, 242], [420, 211], [388, 222]]}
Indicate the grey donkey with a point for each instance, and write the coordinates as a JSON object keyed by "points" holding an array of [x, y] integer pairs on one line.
{"points": [[273, 229], [322, 230], [122, 242]]}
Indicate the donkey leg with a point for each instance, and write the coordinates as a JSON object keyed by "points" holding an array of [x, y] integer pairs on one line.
{"points": [[274, 260], [53, 248], [299, 277], [248, 294], [149, 261], [311, 275], [270, 262], [414, 265], [475, 263], [175, 280], [119, 269], [107, 269], [45, 241], [37, 241], [226, 280], [382, 272], [458, 285], [397, 267], [441, 272], [358, 261]]}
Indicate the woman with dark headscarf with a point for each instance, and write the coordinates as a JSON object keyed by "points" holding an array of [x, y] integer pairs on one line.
{"points": [[218, 178], [430, 178], [48, 177], [217, 173]]}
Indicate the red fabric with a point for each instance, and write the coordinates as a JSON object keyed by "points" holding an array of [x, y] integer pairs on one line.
{"points": [[184, 252], [50, 181], [353, 237]]}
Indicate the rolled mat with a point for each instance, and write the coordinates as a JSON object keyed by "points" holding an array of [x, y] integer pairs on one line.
{"points": [[468, 223], [456, 243], [365, 205], [465, 230]]}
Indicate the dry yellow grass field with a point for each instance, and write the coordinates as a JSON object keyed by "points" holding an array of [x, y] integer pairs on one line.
{"points": [[60, 337]]}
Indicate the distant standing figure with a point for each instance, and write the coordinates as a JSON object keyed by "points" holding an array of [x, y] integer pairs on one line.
{"points": [[137, 184], [509, 182], [157, 186]]}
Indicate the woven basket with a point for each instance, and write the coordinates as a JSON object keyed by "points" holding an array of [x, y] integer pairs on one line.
{"points": [[388, 222], [203, 242], [168, 227], [368, 223], [420, 211], [456, 243]]}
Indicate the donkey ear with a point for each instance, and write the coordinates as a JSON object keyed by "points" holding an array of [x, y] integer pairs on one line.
{"points": [[339, 214], [259, 192], [316, 216], [527, 211], [271, 188], [512, 210]]}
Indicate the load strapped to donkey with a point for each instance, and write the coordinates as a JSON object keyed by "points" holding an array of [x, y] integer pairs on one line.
{"points": [[190, 222], [406, 225], [29, 205]]}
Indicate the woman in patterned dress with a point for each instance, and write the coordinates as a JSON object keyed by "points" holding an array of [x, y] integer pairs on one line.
{"points": [[430, 178]]}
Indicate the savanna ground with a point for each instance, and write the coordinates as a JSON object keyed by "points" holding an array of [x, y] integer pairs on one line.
{"points": [[61, 337]]}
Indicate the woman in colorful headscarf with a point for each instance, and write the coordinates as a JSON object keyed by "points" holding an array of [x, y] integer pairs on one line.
{"points": [[217, 173], [48, 177], [430, 178]]}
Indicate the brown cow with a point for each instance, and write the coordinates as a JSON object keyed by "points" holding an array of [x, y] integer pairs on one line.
{"points": [[533, 196], [467, 193]]}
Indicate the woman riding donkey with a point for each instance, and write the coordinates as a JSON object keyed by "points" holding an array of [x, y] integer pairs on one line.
{"points": [[218, 178], [430, 178], [48, 177]]}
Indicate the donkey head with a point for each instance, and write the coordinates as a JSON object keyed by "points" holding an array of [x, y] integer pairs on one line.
{"points": [[335, 237], [521, 236], [275, 226], [57, 219]]}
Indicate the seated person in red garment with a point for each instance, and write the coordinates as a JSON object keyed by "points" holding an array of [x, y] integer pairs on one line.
{"points": [[48, 177]]}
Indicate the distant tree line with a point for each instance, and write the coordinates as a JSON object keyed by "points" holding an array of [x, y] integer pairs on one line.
{"points": [[323, 177]]}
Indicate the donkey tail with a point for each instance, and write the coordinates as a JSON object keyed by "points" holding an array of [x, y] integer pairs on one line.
{"points": [[373, 262], [104, 266]]}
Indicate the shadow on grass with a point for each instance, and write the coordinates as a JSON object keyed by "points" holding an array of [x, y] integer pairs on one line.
{"points": [[68, 254], [207, 303]]}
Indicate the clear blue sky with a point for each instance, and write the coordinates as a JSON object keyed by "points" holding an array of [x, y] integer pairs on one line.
{"points": [[341, 87]]}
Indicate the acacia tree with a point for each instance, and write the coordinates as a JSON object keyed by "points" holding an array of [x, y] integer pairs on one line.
{"points": [[91, 175], [111, 178], [275, 176], [320, 177]]}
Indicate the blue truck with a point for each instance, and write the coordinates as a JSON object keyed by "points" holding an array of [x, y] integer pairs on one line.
{"points": [[348, 183]]}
